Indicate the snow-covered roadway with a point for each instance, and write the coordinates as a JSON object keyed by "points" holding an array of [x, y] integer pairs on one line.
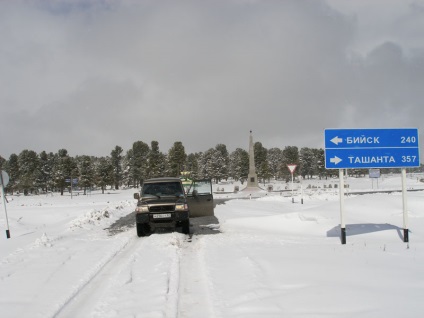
{"points": [[157, 276], [270, 258], [62, 261]]}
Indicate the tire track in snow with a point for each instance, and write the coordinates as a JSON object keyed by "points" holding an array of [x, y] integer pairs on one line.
{"points": [[142, 280], [194, 295], [173, 283], [128, 281], [76, 303]]}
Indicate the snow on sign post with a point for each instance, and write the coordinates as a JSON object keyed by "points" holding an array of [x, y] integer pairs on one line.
{"points": [[4, 180], [292, 168], [372, 148]]}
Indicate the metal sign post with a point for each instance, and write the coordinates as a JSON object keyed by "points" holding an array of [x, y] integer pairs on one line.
{"points": [[374, 174], [301, 193], [372, 148], [4, 179], [342, 216], [292, 168], [405, 208]]}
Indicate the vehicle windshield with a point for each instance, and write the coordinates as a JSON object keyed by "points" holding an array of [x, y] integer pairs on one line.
{"points": [[162, 189]]}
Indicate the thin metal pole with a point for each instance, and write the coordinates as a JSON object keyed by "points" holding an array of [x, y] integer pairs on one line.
{"points": [[292, 188], [405, 208], [3, 195], [71, 185], [301, 194], [342, 218]]}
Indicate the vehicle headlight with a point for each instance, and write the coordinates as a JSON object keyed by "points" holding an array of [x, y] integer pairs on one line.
{"points": [[142, 209], [181, 207]]}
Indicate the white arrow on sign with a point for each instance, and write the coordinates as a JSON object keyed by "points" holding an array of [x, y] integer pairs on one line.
{"points": [[335, 160], [336, 140]]}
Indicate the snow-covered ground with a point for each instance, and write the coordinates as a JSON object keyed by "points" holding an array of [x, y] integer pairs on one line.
{"points": [[269, 257]]}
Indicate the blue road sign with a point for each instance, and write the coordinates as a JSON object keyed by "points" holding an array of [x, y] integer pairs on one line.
{"points": [[74, 181], [371, 148]]}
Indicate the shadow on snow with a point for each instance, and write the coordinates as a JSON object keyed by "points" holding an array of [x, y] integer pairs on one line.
{"points": [[198, 226], [358, 229]]}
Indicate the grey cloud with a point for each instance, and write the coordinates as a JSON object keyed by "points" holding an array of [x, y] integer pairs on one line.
{"points": [[91, 75]]}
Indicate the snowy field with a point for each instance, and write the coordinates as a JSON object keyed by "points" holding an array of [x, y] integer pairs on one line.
{"points": [[269, 257]]}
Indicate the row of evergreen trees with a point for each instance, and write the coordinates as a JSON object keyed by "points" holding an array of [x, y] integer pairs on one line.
{"points": [[30, 172]]}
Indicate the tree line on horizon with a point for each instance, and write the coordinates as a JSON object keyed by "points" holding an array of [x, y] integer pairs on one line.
{"points": [[30, 172]]}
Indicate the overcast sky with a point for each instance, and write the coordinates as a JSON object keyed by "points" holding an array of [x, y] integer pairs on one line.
{"points": [[87, 75]]}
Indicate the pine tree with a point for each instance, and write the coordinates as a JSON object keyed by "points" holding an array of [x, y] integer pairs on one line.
{"points": [[28, 167], [104, 173], [312, 162], [192, 165], [224, 164], [319, 162], [43, 173], [138, 163], [260, 154], [163, 164], [275, 159], [206, 164], [51, 161], [155, 161], [264, 172], [86, 172], [307, 162], [239, 164], [116, 158], [127, 168], [219, 166], [64, 170], [2, 162], [176, 159], [211, 163], [290, 156], [12, 169]]}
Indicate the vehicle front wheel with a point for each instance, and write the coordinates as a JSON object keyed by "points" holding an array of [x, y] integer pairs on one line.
{"points": [[142, 229], [186, 227]]}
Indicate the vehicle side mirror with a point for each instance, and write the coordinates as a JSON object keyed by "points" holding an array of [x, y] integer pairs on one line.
{"points": [[137, 196]]}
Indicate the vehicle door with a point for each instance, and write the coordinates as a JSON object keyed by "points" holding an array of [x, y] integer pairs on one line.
{"points": [[200, 198]]}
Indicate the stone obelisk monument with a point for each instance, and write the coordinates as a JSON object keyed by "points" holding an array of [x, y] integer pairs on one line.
{"points": [[252, 178]]}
